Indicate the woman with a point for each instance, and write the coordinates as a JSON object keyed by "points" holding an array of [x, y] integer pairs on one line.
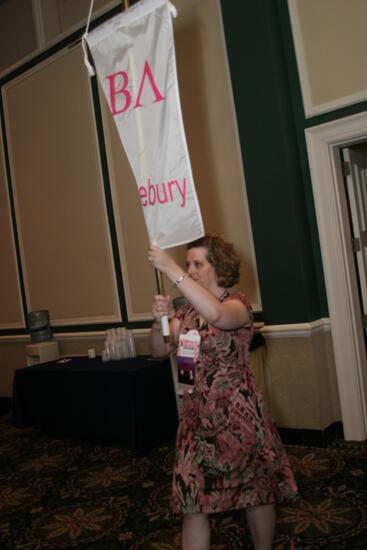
{"points": [[228, 452]]}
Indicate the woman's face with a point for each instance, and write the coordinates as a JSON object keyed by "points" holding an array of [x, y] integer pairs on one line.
{"points": [[199, 269]]}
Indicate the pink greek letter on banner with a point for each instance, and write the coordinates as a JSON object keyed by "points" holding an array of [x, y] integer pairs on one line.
{"points": [[135, 63]]}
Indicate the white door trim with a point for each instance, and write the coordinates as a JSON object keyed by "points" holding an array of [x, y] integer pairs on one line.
{"points": [[323, 144]]}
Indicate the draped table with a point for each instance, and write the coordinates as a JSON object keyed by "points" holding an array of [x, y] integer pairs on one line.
{"points": [[131, 401]]}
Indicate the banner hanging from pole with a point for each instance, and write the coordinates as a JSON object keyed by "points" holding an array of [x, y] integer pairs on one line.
{"points": [[135, 63]]}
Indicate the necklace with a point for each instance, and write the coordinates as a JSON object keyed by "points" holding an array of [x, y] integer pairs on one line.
{"points": [[222, 295]]}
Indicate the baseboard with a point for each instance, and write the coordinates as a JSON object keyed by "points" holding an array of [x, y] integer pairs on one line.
{"points": [[312, 438], [5, 405]]}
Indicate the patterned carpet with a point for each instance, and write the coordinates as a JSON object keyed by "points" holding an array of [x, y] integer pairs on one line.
{"points": [[61, 493]]}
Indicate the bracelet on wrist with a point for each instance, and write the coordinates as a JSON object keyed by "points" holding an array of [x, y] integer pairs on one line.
{"points": [[179, 279], [157, 327]]}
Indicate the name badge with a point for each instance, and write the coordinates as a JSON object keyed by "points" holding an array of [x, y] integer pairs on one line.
{"points": [[187, 356]]}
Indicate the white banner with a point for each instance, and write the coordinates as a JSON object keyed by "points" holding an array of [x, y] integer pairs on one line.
{"points": [[136, 66]]}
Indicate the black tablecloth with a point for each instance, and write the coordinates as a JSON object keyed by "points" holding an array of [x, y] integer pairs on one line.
{"points": [[131, 401]]}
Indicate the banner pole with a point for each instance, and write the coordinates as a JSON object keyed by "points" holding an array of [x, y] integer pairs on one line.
{"points": [[164, 319], [160, 286]]}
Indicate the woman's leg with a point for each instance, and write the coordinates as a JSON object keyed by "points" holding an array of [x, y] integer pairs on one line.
{"points": [[195, 532], [261, 521]]}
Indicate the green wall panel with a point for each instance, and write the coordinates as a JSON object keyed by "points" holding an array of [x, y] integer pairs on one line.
{"points": [[283, 220]]}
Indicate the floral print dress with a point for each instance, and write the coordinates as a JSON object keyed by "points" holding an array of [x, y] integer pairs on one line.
{"points": [[228, 452]]}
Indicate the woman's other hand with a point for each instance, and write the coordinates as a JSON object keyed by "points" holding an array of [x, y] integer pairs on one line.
{"points": [[160, 307]]}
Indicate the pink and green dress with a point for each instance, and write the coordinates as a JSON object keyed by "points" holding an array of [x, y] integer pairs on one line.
{"points": [[228, 451]]}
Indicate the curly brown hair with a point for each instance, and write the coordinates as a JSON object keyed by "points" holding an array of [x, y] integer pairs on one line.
{"points": [[222, 256]]}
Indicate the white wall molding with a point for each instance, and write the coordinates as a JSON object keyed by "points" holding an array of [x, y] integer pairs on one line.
{"points": [[85, 320], [297, 330], [324, 143], [12, 326], [69, 336], [94, 335], [15, 339]]}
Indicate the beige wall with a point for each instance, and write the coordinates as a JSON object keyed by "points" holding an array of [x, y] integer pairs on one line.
{"points": [[59, 16], [331, 41], [58, 193], [61, 216], [304, 390]]}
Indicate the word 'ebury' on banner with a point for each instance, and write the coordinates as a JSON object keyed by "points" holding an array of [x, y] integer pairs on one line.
{"points": [[135, 63]]}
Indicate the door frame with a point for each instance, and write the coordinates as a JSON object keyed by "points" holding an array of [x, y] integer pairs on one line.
{"points": [[323, 144]]}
